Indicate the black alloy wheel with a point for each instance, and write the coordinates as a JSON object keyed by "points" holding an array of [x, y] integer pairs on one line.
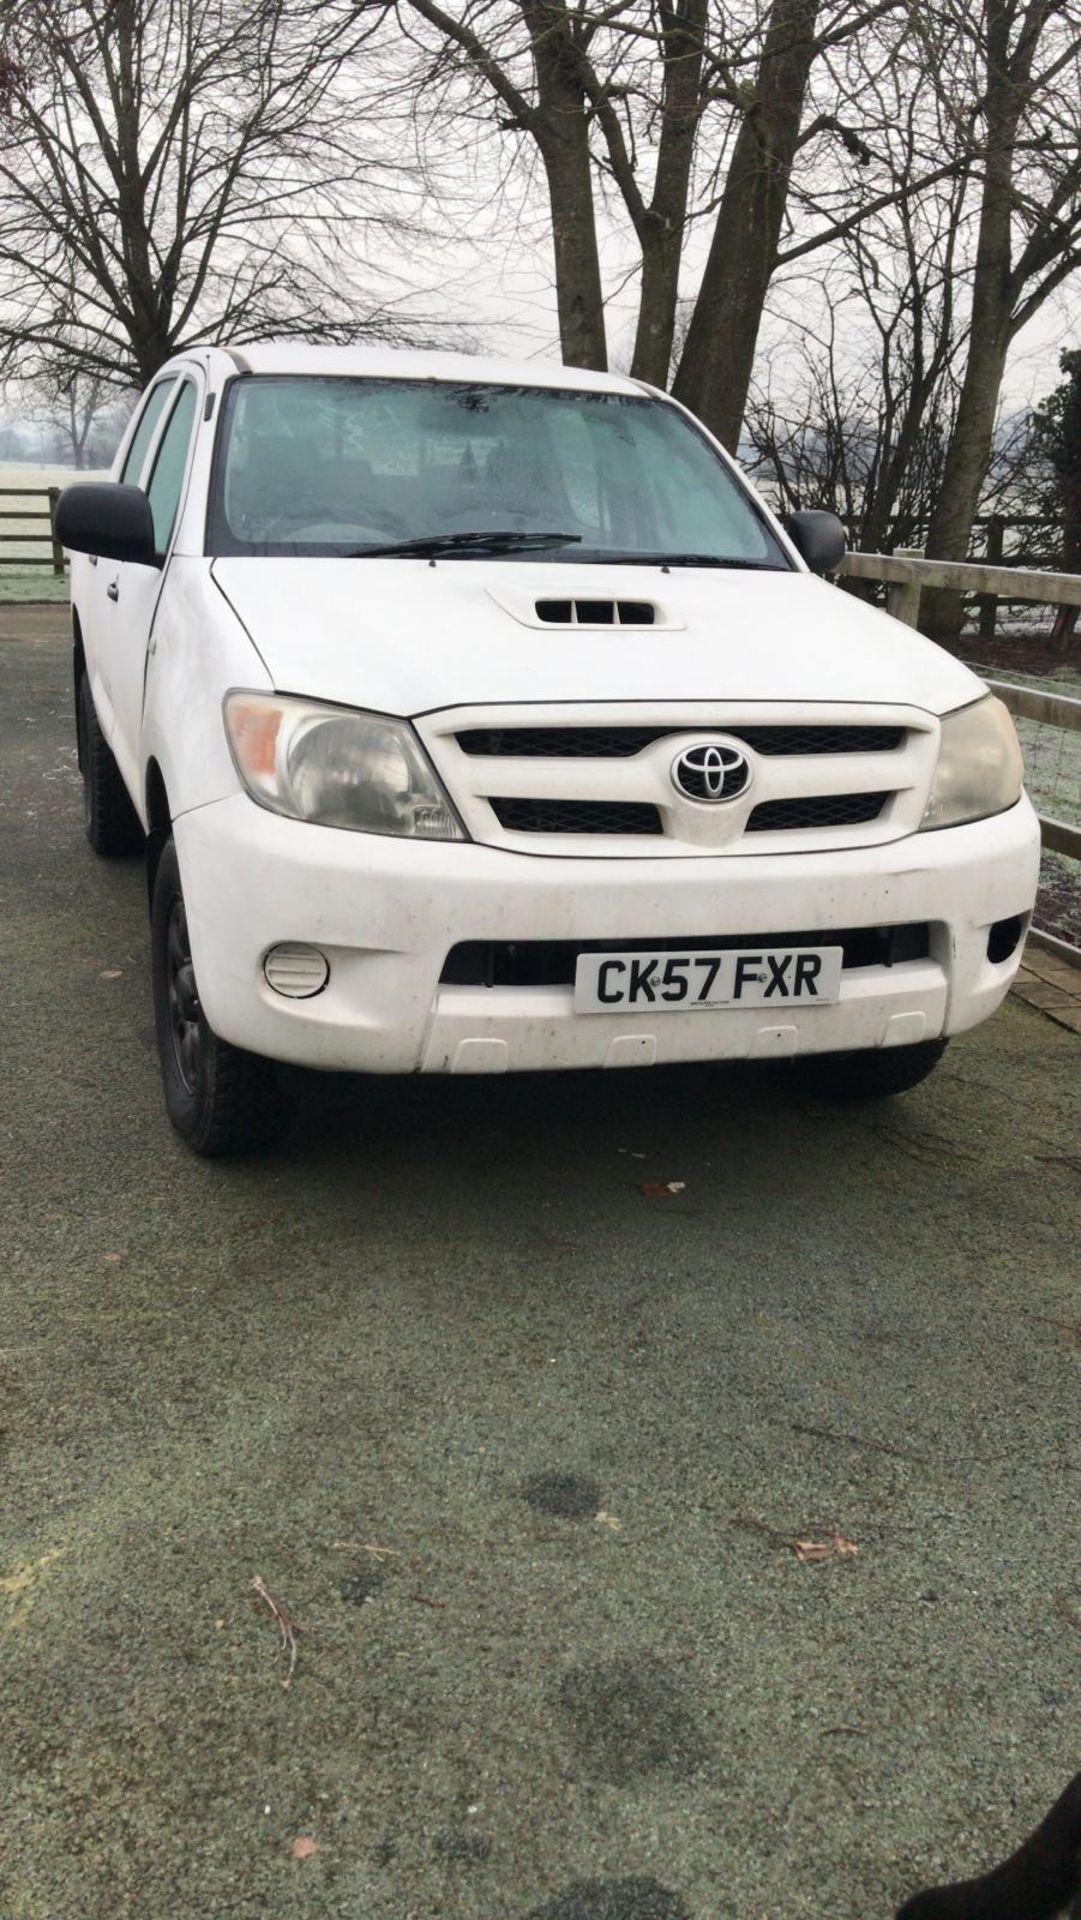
{"points": [[184, 1023], [221, 1099]]}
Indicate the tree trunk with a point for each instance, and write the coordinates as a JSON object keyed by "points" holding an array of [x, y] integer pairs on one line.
{"points": [[969, 452], [562, 135], [661, 231], [967, 459], [147, 313], [880, 514], [718, 357]]}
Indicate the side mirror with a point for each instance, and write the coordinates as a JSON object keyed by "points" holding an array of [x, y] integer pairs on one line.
{"points": [[111, 521], [819, 538]]}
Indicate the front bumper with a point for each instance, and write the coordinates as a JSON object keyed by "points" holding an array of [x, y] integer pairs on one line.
{"points": [[386, 912]]}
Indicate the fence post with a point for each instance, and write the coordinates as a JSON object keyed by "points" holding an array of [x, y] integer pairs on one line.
{"points": [[903, 596], [993, 556], [58, 551]]}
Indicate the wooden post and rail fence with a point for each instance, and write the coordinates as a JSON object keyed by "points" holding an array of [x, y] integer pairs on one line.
{"points": [[32, 518], [906, 575]]}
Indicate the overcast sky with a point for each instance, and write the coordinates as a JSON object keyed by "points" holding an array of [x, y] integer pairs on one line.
{"points": [[502, 288]]}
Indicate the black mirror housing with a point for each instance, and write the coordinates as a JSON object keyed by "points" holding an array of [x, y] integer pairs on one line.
{"points": [[819, 538], [108, 520]]}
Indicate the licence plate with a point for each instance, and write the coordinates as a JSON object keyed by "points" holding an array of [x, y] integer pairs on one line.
{"points": [[690, 982]]}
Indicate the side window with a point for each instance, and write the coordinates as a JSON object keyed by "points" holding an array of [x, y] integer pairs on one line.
{"points": [[167, 478], [144, 432]]}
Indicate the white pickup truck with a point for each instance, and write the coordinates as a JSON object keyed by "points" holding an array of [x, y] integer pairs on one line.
{"points": [[479, 717]]}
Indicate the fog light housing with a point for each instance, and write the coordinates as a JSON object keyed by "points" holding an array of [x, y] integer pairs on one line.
{"points": [[297, 972], [1003, 938]]}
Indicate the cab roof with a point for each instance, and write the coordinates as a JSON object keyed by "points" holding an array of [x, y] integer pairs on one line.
{"points": [[391, 363]]}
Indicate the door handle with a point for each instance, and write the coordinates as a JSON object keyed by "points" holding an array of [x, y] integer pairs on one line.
{"points": [[112, 591]]}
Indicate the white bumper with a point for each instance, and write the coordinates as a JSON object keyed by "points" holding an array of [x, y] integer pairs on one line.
{"points": [[386, 913]]}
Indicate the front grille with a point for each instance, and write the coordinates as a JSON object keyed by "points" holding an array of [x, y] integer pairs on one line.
{"points": [[576, 816], [816, 810], [622, 743], [551, 963]]}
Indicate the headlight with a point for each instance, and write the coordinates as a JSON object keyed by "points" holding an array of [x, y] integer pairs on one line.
{"points": [[979, 769], [336, 767]]}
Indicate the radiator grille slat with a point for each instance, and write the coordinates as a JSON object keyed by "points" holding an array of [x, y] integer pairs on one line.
{"points": [[622, 743], [815, 810], [576, 816]]}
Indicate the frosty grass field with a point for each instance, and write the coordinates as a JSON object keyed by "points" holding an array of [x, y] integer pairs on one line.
{"points": [[36, 581]]}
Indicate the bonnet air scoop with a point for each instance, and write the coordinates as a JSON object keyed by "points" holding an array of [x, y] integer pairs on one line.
{"points": [[596, 613], [594, 608]]}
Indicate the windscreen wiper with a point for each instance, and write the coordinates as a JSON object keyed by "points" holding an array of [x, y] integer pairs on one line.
{"points": [[718, 560], [621, 559], [432, 545]]}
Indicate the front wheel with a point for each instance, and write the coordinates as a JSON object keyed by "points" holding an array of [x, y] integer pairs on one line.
{"points": [[871, 1073], [220, 1099]]}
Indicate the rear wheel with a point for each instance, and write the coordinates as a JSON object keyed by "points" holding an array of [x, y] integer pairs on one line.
{"points": [[220, 1099], [112, 824], [872, 1073]]}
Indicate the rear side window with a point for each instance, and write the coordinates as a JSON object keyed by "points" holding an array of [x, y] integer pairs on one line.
{"points": [[144, 432], [167, 479]]}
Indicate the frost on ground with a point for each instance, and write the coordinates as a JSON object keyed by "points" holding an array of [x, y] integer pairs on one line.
{"points": [[1058, 903], [36, 585], [1052, 769]]}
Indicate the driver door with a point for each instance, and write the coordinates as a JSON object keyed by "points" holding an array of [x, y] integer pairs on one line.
{"points": [[131, 591], [95, 599]]}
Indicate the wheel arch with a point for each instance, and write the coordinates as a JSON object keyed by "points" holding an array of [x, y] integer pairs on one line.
{"points": [[78, 669], [159, 821]]}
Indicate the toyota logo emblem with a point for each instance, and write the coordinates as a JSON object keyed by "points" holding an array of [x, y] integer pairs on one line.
{"points": [[710, 772]]}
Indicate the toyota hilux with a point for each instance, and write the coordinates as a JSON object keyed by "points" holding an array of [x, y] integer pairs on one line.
{"points": [[479, 717]]}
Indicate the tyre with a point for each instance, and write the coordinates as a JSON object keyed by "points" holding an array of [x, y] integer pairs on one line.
{"points": [[112, 824], [220, 1099], [872, 1073]]}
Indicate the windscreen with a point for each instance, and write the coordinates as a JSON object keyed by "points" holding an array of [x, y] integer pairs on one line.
{"points": [[308, 465]]}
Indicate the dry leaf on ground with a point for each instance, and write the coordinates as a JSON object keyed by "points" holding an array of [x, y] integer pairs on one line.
{"points": [[837, 1547], [303, 1847], [367, 1546], [661, 1189]]}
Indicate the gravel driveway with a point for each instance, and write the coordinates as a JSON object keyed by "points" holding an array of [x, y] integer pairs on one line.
{"points": [[526, 1450]]}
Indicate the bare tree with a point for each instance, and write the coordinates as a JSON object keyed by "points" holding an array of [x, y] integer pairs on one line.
{"points": [[590, 87], [1020, 63], [715, 367], [668, 113], [861, 424], [181, 169], [834, 440], [882, 378], [80, 401]]}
